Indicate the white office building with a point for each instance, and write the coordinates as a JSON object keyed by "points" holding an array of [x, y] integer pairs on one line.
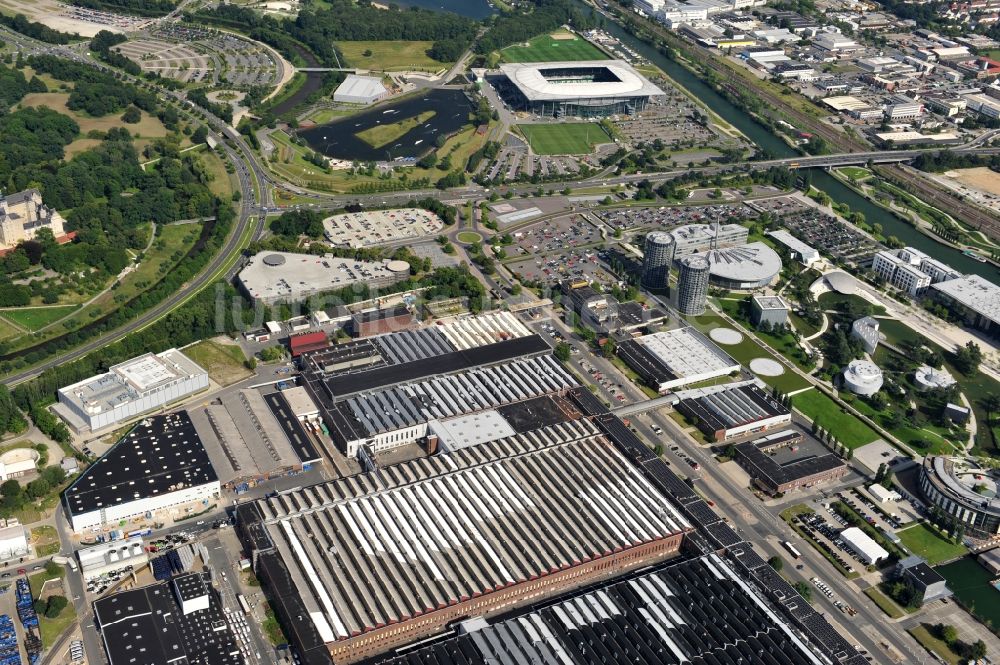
{"points": [[911, 270], [130, 389]]}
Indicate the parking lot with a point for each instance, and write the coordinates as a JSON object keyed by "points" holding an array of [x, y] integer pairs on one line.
{"points": [[668, 217], [830, 236]]}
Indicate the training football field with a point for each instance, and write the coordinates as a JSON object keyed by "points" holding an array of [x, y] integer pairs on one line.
{"points": [[564, 138], [549, 48]]}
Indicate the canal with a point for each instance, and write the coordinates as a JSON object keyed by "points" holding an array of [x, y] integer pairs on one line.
{"points": [[972, 585], [762, 136], [477, 9]]}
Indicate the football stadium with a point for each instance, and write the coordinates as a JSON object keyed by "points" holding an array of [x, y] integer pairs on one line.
{"points": [[587, 89]]}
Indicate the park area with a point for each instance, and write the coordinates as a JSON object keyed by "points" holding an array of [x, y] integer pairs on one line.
{"points": [[560, 46], [829, 415], [564, 138], [923, 541], [36, 318], [390, 55]]}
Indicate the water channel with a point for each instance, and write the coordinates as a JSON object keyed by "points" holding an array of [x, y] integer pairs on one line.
{"points": [[763, 137], [477, 9], [972, 584]]}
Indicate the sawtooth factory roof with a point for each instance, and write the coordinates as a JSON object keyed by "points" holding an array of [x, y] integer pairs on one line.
{"points": [[372, 549], [696, 611]]}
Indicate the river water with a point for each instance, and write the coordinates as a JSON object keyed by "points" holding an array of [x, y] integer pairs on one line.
{"points": [[477, 9], [763, 137]]}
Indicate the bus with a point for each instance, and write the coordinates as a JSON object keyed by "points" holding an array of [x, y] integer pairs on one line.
{"points": [[791, 550], [243, 603]]}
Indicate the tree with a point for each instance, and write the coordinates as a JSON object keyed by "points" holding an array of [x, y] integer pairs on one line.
{"points": [[56, 605], [776, 562], [804, 590], [132, 115], [947, 633], [608, 350], [562, 351], [977, 651], [53, 569], [11, 488], [38, 488], [968, 358]]}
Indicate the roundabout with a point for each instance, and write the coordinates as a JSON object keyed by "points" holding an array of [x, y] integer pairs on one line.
{"points": [[468, 237]]}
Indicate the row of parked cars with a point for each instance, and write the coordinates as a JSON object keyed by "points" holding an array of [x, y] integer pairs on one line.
{"points": [[812, 524]]}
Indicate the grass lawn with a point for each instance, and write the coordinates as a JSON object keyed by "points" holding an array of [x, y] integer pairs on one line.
{"points": [[855, 172], [924, 542], [45, 540], [381, 135], [390, 55], [564, 138], [34, 318], [847, 428], [559, 46], [923, 635], [51, 629], [38, 579], [224, 362], [831, 300], [469, 237], [885, 603], [783, 343], [149, 127], [7, 330], [222, 181]]}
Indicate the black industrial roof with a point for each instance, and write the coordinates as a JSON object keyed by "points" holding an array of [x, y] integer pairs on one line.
{"points": [[647, 365], [381, 314], [190, 586], [587, 401], [925, 574], [690, 611], [159, 455], [537, 412], [146, 626], [448, 363], [292, 426], [774, 474]]}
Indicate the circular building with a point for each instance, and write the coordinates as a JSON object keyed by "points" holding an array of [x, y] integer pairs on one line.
{"points": [[692, 284], [928, 378], [397, 266], [863, 377], [748, 266], [657, 255], [963, 491]]}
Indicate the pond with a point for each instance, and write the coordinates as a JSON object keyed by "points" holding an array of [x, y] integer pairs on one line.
{"points": [[973, 585], [338, 139]]}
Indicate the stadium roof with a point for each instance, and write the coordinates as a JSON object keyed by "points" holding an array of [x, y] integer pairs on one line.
{"points": [[697, 611], [160, 454], [373, 549], [530, 79]]}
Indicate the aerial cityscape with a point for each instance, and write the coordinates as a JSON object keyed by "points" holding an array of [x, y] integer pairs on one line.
{"points": [[548, 332]]}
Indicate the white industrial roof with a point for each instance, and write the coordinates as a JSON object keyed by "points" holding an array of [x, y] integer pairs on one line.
{"points": [[807, 253], [977, 293], [753, 262], [528, 77], [686, 353], [360, 86], [472, 430], [862, 543]]}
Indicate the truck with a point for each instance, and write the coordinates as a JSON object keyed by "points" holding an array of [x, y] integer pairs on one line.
{"points": [[65, 561]]}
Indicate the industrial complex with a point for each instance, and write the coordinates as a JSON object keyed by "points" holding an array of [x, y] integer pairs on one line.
{"points": [[731, 410], [674, 358]]}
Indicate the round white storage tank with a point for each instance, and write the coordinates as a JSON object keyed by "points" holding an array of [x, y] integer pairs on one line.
{"points": [[928, 378], [863, 377]]}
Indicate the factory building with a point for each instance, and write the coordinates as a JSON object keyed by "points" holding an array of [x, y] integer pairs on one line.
{"points": [[129, 389], [285, 277], [654, 618], [774, 477], [380, 321], [176, 474], [674, 358], [585, 89], [692, 284], [772, 310], [658, 254], [360, 90], [950, 484], [366, 564], [13, 540], [732, 410], [170, 622]]}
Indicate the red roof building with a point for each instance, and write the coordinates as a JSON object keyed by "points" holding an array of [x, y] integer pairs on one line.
{"points": [[307, 342]]}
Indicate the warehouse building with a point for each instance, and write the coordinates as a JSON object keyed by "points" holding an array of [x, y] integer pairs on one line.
{"points": [[949, 483], [789, 472], [674, 358], [698, 610], [732, 410], [130, 389], [13, 540], [175, 473], [586, 89], [167, 623], [862, 544], [381, 321], [805, 254], [284, 277], [363, 565], [360, 90], [111, 556]]}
